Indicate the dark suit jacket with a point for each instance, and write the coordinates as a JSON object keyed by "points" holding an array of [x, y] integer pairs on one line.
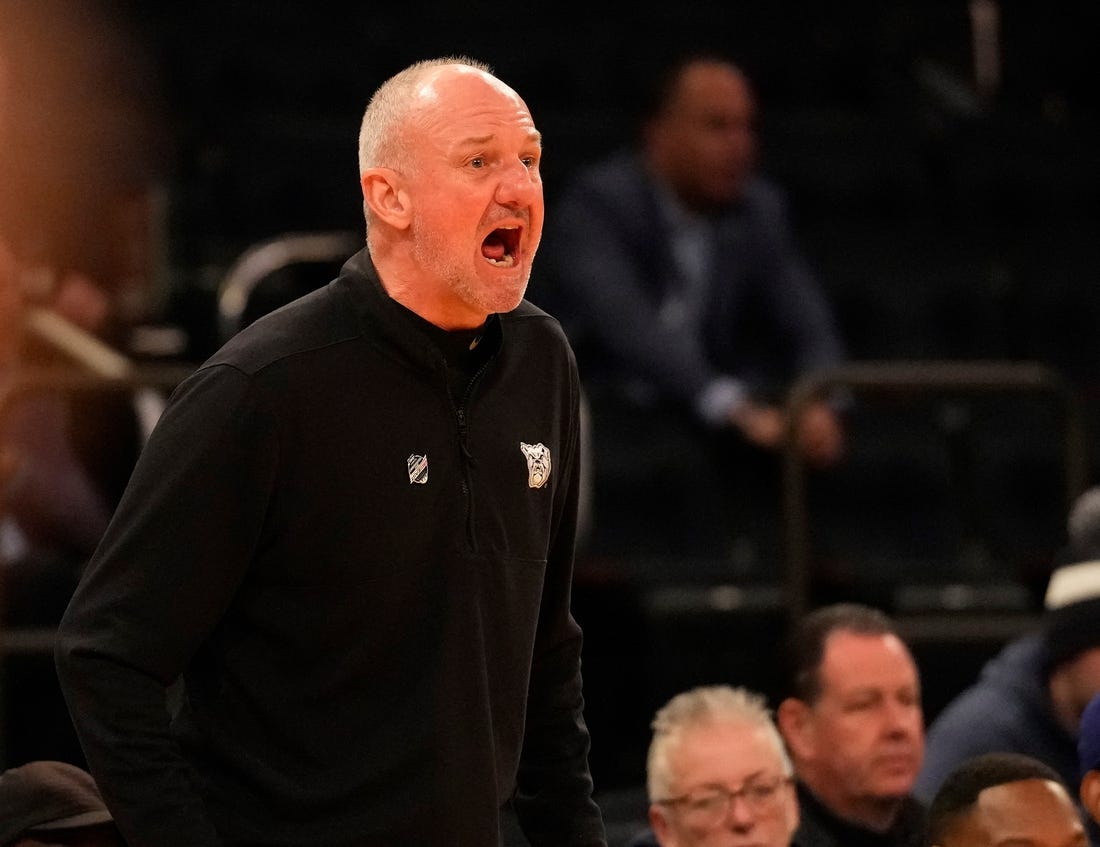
{"points": [[607, 263], [819, 827]]}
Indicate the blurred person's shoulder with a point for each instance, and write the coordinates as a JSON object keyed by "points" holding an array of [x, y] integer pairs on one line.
{"points": [[765, 194], [620, 174]]}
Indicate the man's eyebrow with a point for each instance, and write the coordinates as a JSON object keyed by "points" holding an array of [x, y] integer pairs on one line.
{"points": [[476, 140], [714, 784]]}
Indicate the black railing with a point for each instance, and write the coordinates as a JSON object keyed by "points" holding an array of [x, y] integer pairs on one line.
{"points": [[964, 379]]}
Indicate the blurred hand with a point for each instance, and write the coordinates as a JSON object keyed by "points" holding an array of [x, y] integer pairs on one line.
{"points": [[763, 426], [80, 300], [820, 435]]}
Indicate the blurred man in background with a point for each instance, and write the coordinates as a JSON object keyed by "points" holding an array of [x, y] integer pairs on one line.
{"points": [[676, 274]]}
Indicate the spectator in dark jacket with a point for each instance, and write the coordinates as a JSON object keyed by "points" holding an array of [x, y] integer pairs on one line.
{"points": [[675, 271], [1029, 698]]}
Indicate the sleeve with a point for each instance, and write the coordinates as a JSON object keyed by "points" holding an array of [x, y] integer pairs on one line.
{"points": [[797, 297], [973, 724], [553, 799], [166, 570], [600, 279]]}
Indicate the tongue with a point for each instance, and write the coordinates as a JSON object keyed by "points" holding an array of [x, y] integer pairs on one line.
{"points": [[492, 249]]}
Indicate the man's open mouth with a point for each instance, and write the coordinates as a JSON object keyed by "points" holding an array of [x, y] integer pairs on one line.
{"points": [[500, 246]]}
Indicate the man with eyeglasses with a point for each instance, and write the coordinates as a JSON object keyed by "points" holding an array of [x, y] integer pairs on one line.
{"points": [[854, 728], [718, 774]]}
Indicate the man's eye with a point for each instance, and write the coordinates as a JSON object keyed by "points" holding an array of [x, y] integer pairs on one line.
{"points": [[706, 801], [477, 162], [529, 162], [760, 792]]}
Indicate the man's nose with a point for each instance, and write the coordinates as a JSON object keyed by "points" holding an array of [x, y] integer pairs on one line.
{"points": [[903, 717], [739, 813], [519, 185]]}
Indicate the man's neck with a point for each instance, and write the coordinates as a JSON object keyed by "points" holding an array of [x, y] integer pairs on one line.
{"points": [[877, 814]]}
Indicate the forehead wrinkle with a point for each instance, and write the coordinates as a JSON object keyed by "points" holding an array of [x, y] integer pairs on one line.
{"points": [[478, 115], [478, 140]]}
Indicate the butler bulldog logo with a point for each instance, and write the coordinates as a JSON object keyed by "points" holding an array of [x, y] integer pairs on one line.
{"points": [[538, 463]]}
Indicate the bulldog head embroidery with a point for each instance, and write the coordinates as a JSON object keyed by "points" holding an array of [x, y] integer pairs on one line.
{"points": [[538, 463]]}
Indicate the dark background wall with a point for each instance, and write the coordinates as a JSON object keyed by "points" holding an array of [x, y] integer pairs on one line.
{"points": [[941, 222], [864, 103]]}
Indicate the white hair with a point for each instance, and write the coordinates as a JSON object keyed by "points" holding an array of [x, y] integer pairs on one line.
{"points": [[703, 706], [380, 131]]}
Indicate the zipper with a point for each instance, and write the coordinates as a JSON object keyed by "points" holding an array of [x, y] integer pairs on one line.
{"points": [[463, 446]]}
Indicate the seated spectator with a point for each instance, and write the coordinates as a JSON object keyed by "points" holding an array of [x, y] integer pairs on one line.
{"points": [[1029, 698], [52, 512], [45, 803], [854, 728], [717, 773], [1004, 798], [673, 268]]}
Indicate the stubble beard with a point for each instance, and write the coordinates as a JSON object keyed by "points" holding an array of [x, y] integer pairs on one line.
{"points": [[432, 253]]}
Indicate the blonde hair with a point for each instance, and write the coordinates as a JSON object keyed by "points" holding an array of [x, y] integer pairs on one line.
{"points": [[703, 706]]}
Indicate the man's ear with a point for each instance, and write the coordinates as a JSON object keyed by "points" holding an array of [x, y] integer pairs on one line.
{"points": [[384, 193], [793, 717], [659, 823], [1090, 793]]}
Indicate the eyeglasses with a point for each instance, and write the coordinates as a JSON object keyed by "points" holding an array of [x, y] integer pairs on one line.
{"points": [[709, 806]]}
